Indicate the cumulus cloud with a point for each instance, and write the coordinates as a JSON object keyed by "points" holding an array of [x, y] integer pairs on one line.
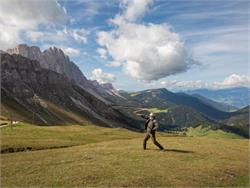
{"points": [[234, 80], [9, 36], [17, 16], [134, 9], [102, 53], [102, 77], [146, 51]]}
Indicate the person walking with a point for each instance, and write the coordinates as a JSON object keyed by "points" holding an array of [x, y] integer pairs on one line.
{"points": [[151, 125]]}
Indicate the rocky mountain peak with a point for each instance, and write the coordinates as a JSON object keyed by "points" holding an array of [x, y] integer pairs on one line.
{"points": [[108, 86], [55, 51], [52, 59], [43, 96], [24, 50], [105, 88]]}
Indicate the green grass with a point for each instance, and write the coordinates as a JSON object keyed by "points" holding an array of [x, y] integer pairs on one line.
{"points": [[114, 157], [134, 94], [39, 137], [157, 110], [207, 132]]}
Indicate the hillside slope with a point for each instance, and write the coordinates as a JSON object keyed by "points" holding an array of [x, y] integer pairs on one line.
{"points": [[175, 109], [42, 96], [56, 60], [218, 105], [162, 98], [239, 121]]}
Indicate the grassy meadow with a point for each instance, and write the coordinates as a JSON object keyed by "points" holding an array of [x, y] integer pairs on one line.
{"points": [[99, 156], [208, 132], [47, 137], [157, 110]]}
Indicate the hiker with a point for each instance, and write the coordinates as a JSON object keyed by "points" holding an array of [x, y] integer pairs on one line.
{"points": [[151, 125]]}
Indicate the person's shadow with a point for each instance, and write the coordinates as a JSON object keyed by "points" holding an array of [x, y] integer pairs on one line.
{"points": [[173, 150], [178, 150]]}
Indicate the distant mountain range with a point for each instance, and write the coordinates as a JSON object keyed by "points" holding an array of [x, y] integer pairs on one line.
{"points": [[47, 88], [236, 97], [180, 110], [218, 105]]}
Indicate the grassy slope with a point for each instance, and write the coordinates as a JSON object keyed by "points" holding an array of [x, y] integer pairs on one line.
{"points": [[40, 137], [114, 157], [157, 110], [208, 132]]}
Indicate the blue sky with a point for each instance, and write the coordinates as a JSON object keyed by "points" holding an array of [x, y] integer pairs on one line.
{"points": [[201, 43]]}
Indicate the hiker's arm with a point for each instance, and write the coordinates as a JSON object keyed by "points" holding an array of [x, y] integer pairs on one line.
{"points": [[144, 116]]}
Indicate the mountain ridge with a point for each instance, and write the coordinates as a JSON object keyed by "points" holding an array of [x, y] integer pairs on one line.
{"points": [[54, 59], [52, 98]]}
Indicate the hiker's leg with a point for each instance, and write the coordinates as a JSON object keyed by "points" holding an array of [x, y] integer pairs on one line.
{"points": [[155, 141], [147, 136]]}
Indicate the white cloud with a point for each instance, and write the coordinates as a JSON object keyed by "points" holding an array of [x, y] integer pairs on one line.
{"points": [[102, 77], [9, 36], [35, 35], [88, 9], [134, 9], [222, 30], [57, 36], [146, 51], [222, 43], [113, 64], [234, 80], [17, 16], [71, 51], [102, 53], [79, 35], [187, 84], [52, 36], [211, 14]]}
